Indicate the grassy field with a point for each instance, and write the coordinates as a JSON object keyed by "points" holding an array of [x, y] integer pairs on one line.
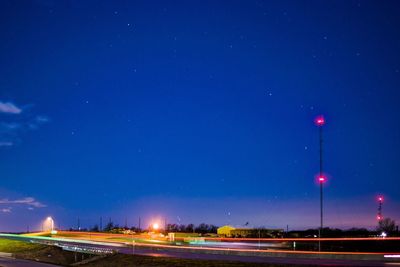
{"points": [[15, 247]]}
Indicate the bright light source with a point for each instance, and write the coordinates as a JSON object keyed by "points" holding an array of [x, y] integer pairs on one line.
{"points": [[392, 256], [156, 226], [322, 179], [379, 217], [49, 222], [320, 120], [380, 198], [383, 234]]}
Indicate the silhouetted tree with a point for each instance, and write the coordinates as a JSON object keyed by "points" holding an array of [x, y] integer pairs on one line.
{"points": [[182, 228], [95, 228], [189, 228], [109, 226], [172, 227], [386, 225], [134, 229], [202, 228], [212, 229]]}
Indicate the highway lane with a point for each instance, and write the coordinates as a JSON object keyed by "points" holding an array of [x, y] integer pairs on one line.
{"points": [[273, 260]]}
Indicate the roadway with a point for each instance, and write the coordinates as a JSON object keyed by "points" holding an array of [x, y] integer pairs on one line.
{"points": [[12, 262], [253, 259], [229, 254]]}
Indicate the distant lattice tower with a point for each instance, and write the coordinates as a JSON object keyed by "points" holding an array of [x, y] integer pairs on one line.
{"points": [[379, 217]]}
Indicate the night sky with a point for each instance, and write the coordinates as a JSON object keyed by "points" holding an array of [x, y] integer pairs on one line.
{"points": [[198, 111]]}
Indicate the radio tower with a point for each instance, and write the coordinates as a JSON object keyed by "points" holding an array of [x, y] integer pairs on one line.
{"points": [[379, 217], [320, 122]]}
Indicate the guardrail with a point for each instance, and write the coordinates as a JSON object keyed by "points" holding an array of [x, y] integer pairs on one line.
{"points": [[86, 249], [77, 248]]}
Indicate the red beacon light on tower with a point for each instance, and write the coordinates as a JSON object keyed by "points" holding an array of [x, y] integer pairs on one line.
{"points": [[379, 217], [321, 179], [320, 120]]}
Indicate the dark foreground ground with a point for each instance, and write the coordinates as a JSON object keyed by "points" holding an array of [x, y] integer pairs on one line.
{"points": [[146, 261], [55, 255]]}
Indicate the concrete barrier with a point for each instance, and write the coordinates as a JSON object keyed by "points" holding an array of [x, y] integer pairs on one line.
{"points": [[6, 255]]}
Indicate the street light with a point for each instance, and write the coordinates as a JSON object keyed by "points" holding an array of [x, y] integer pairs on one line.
{"points": [[51, 221], [320, 122], [155, 226]]}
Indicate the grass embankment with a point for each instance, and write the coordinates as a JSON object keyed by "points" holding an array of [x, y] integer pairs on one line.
{"points": [[16, 247], [37, 252]]}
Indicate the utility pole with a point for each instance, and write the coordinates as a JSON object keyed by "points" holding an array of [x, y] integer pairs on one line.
{"points": [[101, 223]]}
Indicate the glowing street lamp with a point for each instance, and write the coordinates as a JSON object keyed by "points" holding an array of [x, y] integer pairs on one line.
{"points": [[155, 226], [51, 221]]}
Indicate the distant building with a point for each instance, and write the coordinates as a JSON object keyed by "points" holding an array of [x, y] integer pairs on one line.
{"points": [[230, 231], [225, 230]]}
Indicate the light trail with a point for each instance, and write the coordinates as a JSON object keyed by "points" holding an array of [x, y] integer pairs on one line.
{"points": [[83, 238], [205, 248], [311, 239], [124, 247]]}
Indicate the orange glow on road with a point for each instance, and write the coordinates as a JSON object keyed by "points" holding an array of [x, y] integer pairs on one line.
{"points": [[143, 235], [103, 237]]}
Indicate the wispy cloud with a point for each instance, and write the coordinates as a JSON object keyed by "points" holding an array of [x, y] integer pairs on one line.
{"points": [[42, 119], [6, 143], [37, 122], [9, 126], [13, 127], [8, 107], [6, 210], [29, 201]]}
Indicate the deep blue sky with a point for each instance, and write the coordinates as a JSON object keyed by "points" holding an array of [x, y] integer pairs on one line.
{"points": [[198, 111]]}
